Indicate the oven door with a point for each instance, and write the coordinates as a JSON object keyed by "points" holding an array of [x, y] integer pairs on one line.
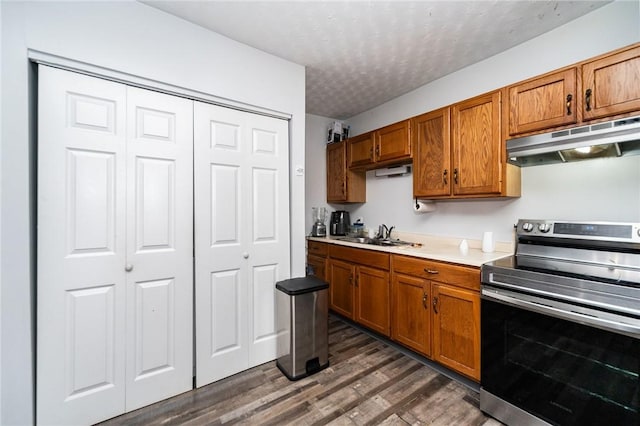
{"points": [[552, 365]]}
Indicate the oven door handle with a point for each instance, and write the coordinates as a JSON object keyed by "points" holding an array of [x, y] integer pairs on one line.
{"points": [[630, 326]]}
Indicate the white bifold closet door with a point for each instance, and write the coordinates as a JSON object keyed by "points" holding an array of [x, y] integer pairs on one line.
{"points": [[115, 248], [241, 237]]}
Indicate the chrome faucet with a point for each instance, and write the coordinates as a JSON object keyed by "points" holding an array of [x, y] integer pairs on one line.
{"points": [[384, 233]]}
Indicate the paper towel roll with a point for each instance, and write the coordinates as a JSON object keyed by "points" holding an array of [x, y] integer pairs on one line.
{"points": [[423, 206]]}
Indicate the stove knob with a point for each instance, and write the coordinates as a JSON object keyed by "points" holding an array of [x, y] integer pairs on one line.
{"points": [[544, 227], [527, 227]]}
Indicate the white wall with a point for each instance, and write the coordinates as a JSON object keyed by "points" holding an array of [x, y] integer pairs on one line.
{"points": [[316, 166], [592, 190], [129, 37], [1, 50]]}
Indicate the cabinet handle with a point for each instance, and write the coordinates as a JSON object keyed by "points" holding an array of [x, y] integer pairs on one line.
{"points": [[444, 176], [455, 176], [431, 271], [424, 300], [377, 151], [351, 279], [435, 305], [587, 99], [569, 99]]}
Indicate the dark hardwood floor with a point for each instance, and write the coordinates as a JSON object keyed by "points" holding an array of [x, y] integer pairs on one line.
{"points": [[367, 383]]}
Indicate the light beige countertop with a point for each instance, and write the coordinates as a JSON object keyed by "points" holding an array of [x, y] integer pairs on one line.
{"points": [[435, 248]]}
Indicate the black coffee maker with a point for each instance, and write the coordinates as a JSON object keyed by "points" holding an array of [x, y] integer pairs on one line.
{"points": [[339, 223]]}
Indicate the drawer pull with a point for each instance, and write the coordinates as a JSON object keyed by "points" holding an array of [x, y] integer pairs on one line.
{"points": [[431, 271]]}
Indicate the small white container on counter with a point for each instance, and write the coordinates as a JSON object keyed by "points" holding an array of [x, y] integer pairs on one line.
{"points": [[488, 245], [464, 247]]}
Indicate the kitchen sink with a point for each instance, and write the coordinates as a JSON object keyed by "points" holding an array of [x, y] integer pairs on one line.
{"points": [[375, 241]]}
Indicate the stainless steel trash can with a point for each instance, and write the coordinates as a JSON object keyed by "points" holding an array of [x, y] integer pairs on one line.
{"points": [[305, 301]]}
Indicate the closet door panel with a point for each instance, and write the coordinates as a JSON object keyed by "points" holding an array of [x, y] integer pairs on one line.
{"points": [[242, 225], [269, 244], [81, 248], [159, 246], [220, 221]]}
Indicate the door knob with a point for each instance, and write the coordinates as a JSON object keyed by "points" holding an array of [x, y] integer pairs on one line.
{"points": [[245, 255], [128, 267]]}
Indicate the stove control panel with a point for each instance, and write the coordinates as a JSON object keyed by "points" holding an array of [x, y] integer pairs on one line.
{"points": [[606, 231]]}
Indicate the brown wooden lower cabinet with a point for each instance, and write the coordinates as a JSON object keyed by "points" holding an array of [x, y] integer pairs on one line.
{"points": [[456, 329], [317, 259], [359, 286], [411, 313], [317, 266], [340, 276], [436, 311], [372, 299], [430, 307]]}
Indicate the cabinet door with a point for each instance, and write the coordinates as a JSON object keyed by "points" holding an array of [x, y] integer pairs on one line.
{"points": [[341, 279], [477, 146], [343, 185], [543, 103], [360, 150], [411, 313], [336, 172], [372, 299], [611, 85], [393, 143], [430, 136], [456, 329], [317, 266]]}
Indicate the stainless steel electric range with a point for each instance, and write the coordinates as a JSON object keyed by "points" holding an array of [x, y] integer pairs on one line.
{"points": [[561, 326]]}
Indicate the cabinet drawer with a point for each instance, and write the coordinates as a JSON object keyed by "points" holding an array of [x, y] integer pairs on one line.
{"points": [[461, 276], [372, 258], [317, 266], [317, 249]]}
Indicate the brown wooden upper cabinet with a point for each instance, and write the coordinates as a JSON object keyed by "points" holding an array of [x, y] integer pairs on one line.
{"points": [[343, 185], [386, 146], [611, 84], [606, 86], [431, 140], [460, 152], [542, 103], [477, 145]]}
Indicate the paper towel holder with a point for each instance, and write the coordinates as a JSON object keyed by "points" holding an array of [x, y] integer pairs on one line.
{"points": [[423, 206]]}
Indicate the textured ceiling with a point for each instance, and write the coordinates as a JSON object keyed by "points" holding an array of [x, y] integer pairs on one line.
{"points": [[360, 54]]}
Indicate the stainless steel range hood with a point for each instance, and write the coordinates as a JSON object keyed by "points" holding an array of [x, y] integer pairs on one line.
{"points": [[609, 139]]}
